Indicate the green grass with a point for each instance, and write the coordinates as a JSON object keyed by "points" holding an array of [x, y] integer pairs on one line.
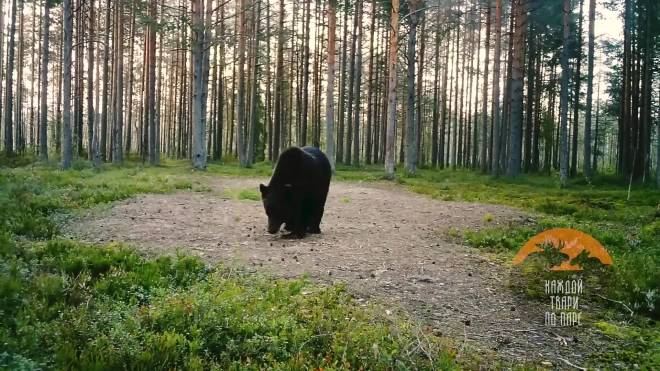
{"points": [[57, 295], [69, 305], [74, 306], [626, 228]]}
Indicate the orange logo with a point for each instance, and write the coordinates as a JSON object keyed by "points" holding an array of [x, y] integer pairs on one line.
{"points": [[575, 246]]}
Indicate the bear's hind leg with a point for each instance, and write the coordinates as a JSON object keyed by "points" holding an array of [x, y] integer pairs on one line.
{"points": [[314, 225]]}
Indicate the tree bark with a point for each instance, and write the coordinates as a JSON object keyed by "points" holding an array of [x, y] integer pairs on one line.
{"points": [[9, 127], [590, 89], [454, 130], [358, 85], [255, 86], [67, 144], [563, 176], [198, 122], [279, 88], [370, 87], [342, 87], [495, 171], [475, 136], [391, 118], [305, 108], [118, 156], [240, 106], [436, 107], [90, 84], [576, 97], [513, 168], [131, 80], [351, 92], [106, 87], [43, 120], [330, 102]]}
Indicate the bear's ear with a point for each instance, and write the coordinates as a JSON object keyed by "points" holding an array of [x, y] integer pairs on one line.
{"points": [[263, 189]]}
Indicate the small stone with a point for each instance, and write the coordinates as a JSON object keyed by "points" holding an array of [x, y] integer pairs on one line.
{"points": [[470, 274], [329, 273], [282, 258], [271, 244]]}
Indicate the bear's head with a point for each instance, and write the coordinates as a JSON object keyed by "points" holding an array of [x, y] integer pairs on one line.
{"points": [[278, 203]]}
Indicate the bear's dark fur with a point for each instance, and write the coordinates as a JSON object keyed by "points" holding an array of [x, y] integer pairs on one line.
{"points": [[297, 191]]}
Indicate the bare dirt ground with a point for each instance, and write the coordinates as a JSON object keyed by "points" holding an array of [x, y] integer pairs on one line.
{"points": [[380, 240]]}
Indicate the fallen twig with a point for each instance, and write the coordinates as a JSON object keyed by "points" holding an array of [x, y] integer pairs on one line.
{"points": [[572, 365], [618, 302], [464, 341]]}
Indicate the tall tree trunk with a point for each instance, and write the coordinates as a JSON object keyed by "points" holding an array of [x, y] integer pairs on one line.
{"points": [[198, 122], [443, 102], [305, 108], [106, 87], [255, 86], [436, 107], [330, 102], [18, 105], [279, 86], [131, 59], [58, 105], [391, 118], [564, 96], [79, 89], [9, 128], [495, 171], [119, 113], [537, 117], [43, 120], [358, 85], [159, 87], [506, 109], [475, 136], [67, 144], [217, 154], [420, 86], [90, 84], [33, 68], [576, 97], [240, 106], [468, 139], [454, 130], [513, 169], [590, 89], [342, 87], [529, 115], [370, 87], [351, 84]]}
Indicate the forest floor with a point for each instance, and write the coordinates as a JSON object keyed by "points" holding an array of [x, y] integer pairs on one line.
{"points": [[384, 242]]}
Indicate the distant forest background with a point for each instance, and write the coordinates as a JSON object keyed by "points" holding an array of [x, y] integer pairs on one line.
{"points": [[505, 87]]}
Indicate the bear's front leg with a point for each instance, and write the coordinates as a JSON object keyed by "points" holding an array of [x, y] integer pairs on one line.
{"points": [[297, 228]]}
